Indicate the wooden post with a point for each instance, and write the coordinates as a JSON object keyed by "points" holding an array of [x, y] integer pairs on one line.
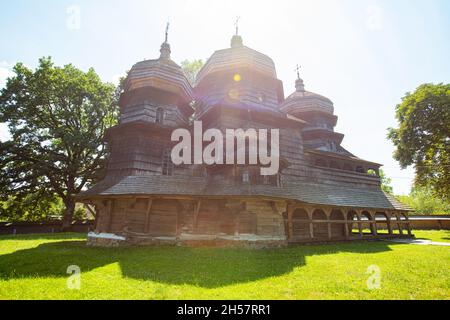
{"points": [[147, 215], [399, 223], [176, 224], [358, 215], [311, 226], [389, 225], [88, 207], [129, 206], [346, 233], [290, 212], [109, 213], [373, 223], [237, 223], [328, 214], [196, 213], [408, 226]]}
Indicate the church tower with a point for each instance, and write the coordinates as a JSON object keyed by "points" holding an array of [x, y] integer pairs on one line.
{"points": [[318, 112], [156, 99]]}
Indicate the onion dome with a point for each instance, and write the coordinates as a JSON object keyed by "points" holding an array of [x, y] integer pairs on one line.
{"points": [[237, 57], [160, 74], [239, 75], [318, 112], [302, 101]]}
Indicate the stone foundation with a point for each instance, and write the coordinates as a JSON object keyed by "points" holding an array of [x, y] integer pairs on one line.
{"points": [[105, 240], [191, 241]]}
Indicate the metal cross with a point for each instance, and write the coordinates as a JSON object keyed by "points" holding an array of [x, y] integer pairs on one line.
{"points": [[167, 31], [237, 25], [298, 71]]}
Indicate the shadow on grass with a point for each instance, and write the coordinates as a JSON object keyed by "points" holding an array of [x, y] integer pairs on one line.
{"points": [[204, 267]]}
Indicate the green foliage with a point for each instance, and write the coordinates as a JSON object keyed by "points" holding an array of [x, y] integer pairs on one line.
{"points": [[37, 208], [57, 117], [386, 183], [423, 136], [423, 201], [191, 68], [33, 207], [80, 213]]}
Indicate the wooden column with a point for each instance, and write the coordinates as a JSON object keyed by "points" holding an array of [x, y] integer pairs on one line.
{"points": [[373, 224], [97, 215], [147, 215], [389, 225], [346, 233], [109, 213], [408, 226], [91, 211], [311, 226], [102, 219], [237, 223], [197, 211], [290, 212], [399, 224], [358, 214], [177, 220], [129, 206], [328, 214]]}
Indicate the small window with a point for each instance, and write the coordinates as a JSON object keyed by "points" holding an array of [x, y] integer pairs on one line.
{"points": [[167, 164], [360, 169], [245, 176], [160, 115]]}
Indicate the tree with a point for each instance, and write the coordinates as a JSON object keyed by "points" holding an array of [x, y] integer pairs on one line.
{"points": [[32, 207], [56, 117], [423, 137], [422, 201], [386, 183], [191, 68]]}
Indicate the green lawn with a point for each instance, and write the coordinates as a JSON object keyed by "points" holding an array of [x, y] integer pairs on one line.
{"points": [[437, 236], [34, 267]]}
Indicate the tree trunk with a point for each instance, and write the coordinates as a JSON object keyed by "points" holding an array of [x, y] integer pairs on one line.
{"points": [[68, 214]]}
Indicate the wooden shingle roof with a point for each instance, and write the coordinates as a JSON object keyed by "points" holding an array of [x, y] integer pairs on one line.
{"points": [[311, 193], [238, 57]]}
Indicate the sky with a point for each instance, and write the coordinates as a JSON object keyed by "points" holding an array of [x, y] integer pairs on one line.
{"points": [[362, 54]]}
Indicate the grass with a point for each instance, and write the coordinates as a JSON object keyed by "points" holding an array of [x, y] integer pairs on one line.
{"points": [[34, 267], [436, 236]]}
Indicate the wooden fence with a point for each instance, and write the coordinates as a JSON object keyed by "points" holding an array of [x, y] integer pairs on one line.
{"points": [[8, 228], [430, 222]]}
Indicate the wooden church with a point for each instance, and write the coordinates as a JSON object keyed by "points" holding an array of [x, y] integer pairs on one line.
{"points": [[322, 192]]}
